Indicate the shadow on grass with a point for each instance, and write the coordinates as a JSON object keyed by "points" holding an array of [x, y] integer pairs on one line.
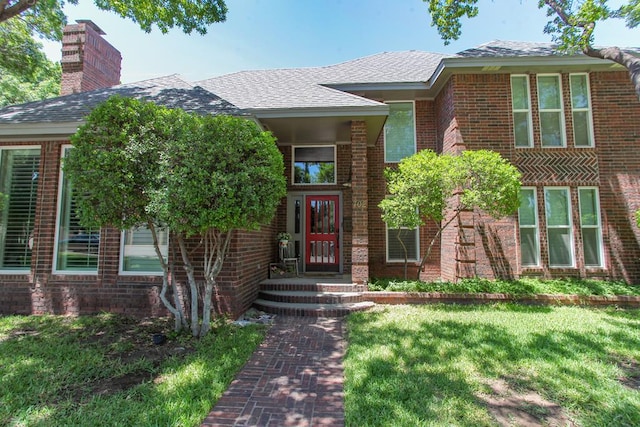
{"points": [[429, 369], [51, 367]]}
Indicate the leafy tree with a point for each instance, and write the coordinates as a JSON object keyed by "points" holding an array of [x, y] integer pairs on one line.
{"points": [[135, 163], [638, 217], [16, 88], [46, 17], [115, 170], [223, 175], [572, 25], [427, 186], [23, 21]]}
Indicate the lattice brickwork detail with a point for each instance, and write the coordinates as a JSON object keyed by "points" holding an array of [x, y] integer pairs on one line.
{"points": [[558, 167]]}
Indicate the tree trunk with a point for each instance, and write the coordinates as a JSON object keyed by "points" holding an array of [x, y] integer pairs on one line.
{"points": [[193, 287], [215, 250], [433, 241], [176, 309], [617, 55]]}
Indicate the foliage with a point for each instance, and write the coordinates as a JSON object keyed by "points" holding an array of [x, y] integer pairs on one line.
{"points": [[135, 163], [18, 88], [22, 22], [283, 236], [427, 186], [3, 201], [223, 174], [638, 217], [523, 286], [105, 370], [571, 25], [20, 53], [46, 17], [440, 365]]}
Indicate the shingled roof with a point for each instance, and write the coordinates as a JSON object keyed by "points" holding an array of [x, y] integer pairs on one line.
{"points": [[315, 87], [169, 91]]}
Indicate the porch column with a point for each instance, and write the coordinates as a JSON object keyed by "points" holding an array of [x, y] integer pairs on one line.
{"points": [[360, 203]]}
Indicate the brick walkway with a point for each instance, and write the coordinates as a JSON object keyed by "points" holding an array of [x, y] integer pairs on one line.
{"points": [[295, 378]]}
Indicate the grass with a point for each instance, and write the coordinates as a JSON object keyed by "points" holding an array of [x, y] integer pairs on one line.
{"points": [[438, 365], [525, 286], [104, 370]]}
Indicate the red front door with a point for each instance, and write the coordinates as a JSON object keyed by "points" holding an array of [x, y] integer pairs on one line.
{"points": [[322, 234]]}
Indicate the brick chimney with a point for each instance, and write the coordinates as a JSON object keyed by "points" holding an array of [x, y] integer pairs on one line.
{"points": [[88, 62]]}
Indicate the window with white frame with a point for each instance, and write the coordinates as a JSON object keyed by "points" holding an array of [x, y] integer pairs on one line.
{"points": [[581, 110], [590, 226], [557, 203], [528, 223], [18, 195], [314, 165], [551, 112], [400, 132], [403, 242], [76, 247], [137, 253], [521, 109]]}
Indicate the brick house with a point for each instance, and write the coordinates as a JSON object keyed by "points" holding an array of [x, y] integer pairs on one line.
{"points": [[566, 122]]}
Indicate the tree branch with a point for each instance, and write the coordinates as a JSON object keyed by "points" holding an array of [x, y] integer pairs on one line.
{"points": [[617, 55], [15, 9]]}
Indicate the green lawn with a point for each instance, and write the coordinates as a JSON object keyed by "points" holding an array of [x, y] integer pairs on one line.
{"points": [[105, 371], [442, 365]]}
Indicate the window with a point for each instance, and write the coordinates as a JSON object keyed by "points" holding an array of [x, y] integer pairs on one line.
{"points": [[559, 235], [138, 255], [552, 131], [590, 226], [76, 246], [401, 239], [521, 107], [581, 110], [314, 165], [19, 186], [399, 132], [528, 222]]}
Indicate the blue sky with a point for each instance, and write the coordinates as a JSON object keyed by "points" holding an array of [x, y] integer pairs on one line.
{"points": [[265, 34]]}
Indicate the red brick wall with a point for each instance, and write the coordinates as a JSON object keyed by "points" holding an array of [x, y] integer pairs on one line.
{"points": [[41, 291], [88, 61], [378, 265], [474, 112]]}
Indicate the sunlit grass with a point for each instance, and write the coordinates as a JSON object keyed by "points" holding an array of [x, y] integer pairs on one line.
{"points": [[50, 365], [524, 286], [429, 365]]}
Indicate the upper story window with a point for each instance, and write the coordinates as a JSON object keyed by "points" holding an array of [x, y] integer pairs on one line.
{"points": [[76, 247], [552, 128], [551, 114], [314, 165], [400, 132], [581, 110], [19, 186], [521, 107]]}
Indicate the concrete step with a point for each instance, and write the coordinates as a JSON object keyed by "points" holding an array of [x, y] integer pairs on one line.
{"points": [[311, 297], [272, 285], [310, 310]]}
